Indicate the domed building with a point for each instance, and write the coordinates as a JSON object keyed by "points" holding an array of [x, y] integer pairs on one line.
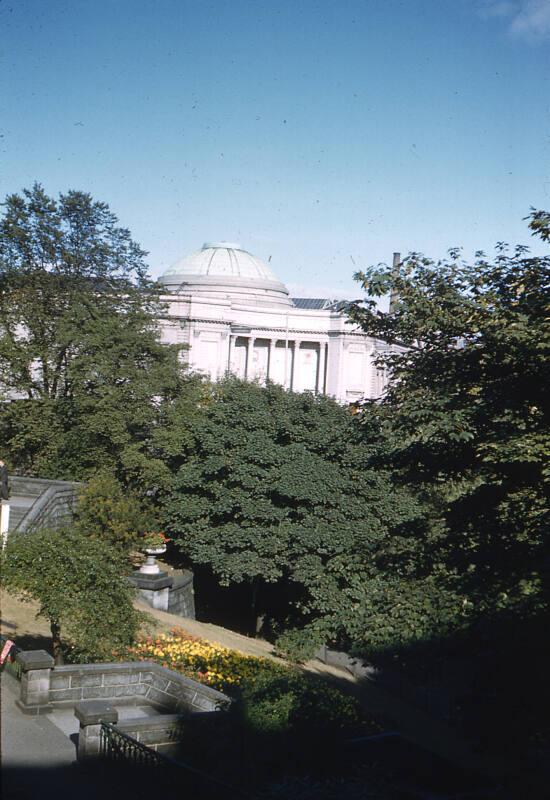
{"points": [[235, 316]]}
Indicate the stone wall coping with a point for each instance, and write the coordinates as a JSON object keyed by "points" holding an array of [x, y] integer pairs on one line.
{"points": [[182, 580], [34, 659], [92, 712], [140, 666], [154, 582], [107, 666], [152, 723], [161, 721], [176, 676], [44, 481]]}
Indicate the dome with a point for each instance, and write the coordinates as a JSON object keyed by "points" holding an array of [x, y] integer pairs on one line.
{"points": [[225, 269]]}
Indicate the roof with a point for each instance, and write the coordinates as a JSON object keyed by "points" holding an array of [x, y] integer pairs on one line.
{"points": [[225, 269], [319, 304], [224, 259]]}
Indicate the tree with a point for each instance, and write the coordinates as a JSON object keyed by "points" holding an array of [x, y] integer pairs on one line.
{"points": [[277, 494], [112, 513], [79, 339], [81, 588], [465, 417]]}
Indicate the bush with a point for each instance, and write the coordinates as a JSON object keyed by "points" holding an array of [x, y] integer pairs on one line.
{"points": [[298, 644], [290, 701]]}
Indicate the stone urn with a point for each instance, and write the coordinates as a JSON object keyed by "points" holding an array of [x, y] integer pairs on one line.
{"points": [[151, 567]]}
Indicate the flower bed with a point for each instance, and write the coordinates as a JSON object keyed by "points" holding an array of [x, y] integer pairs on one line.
{"points": [[212, 664]]}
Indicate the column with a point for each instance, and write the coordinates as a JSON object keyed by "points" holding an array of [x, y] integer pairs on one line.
{"points": [[294, 377], [230, 351], [271, 359], [321, 368], [90, 714], [249, 353], [287, 374], [153, 589], [37, 666]]}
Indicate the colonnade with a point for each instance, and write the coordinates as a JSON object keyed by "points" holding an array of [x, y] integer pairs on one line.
{"points": [[282, 363]]}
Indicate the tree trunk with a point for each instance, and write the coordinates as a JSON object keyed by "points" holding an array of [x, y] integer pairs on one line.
{"points": [[257, 619], [55, 628]]}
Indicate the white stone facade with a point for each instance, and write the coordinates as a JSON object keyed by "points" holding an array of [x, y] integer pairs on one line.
{"points": [[235, 316]]}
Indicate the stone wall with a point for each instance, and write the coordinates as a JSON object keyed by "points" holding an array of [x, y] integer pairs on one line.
{"points": [[135, 683], [181, 600], [356, 666], [160, 733], [172, 593]]}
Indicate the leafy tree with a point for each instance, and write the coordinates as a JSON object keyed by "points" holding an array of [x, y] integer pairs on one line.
{"points": [[112, 513], [79, 340], [465, 417], [81, 587], [277, 494]]}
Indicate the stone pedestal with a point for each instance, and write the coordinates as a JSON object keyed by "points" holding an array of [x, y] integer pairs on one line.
{"points": [[90, 714], [153, 589], [37, 666]]}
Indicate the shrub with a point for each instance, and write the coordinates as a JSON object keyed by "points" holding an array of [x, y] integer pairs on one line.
{"points": [[298, 644]]}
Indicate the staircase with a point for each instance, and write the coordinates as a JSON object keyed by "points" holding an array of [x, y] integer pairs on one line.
{"points": [[37, 503]]}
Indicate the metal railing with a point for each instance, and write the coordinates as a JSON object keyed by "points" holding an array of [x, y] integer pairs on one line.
{"points": [[118, 746]]}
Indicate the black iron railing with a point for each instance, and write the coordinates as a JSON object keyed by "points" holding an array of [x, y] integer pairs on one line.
{"points": [[118, 746]]}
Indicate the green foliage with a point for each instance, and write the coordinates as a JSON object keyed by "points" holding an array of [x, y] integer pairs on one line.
{"points": [[109, 512], [298, 644], [80, 586], [277, 492], [79, 341], [283, 701], [465, 418]]}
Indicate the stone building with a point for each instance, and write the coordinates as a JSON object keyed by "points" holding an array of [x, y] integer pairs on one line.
{"points": [[237, 317]]}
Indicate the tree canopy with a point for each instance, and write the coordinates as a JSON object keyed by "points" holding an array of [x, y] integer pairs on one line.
{"points": [[465, 418], [80, 585], [80, 354], [277, 492]]}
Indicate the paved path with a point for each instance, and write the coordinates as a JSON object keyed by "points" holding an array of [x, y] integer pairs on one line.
{"points": [[38, 756], [30, 740]]}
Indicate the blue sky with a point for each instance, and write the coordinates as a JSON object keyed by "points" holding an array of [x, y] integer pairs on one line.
{"points": [[323, 134]]}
